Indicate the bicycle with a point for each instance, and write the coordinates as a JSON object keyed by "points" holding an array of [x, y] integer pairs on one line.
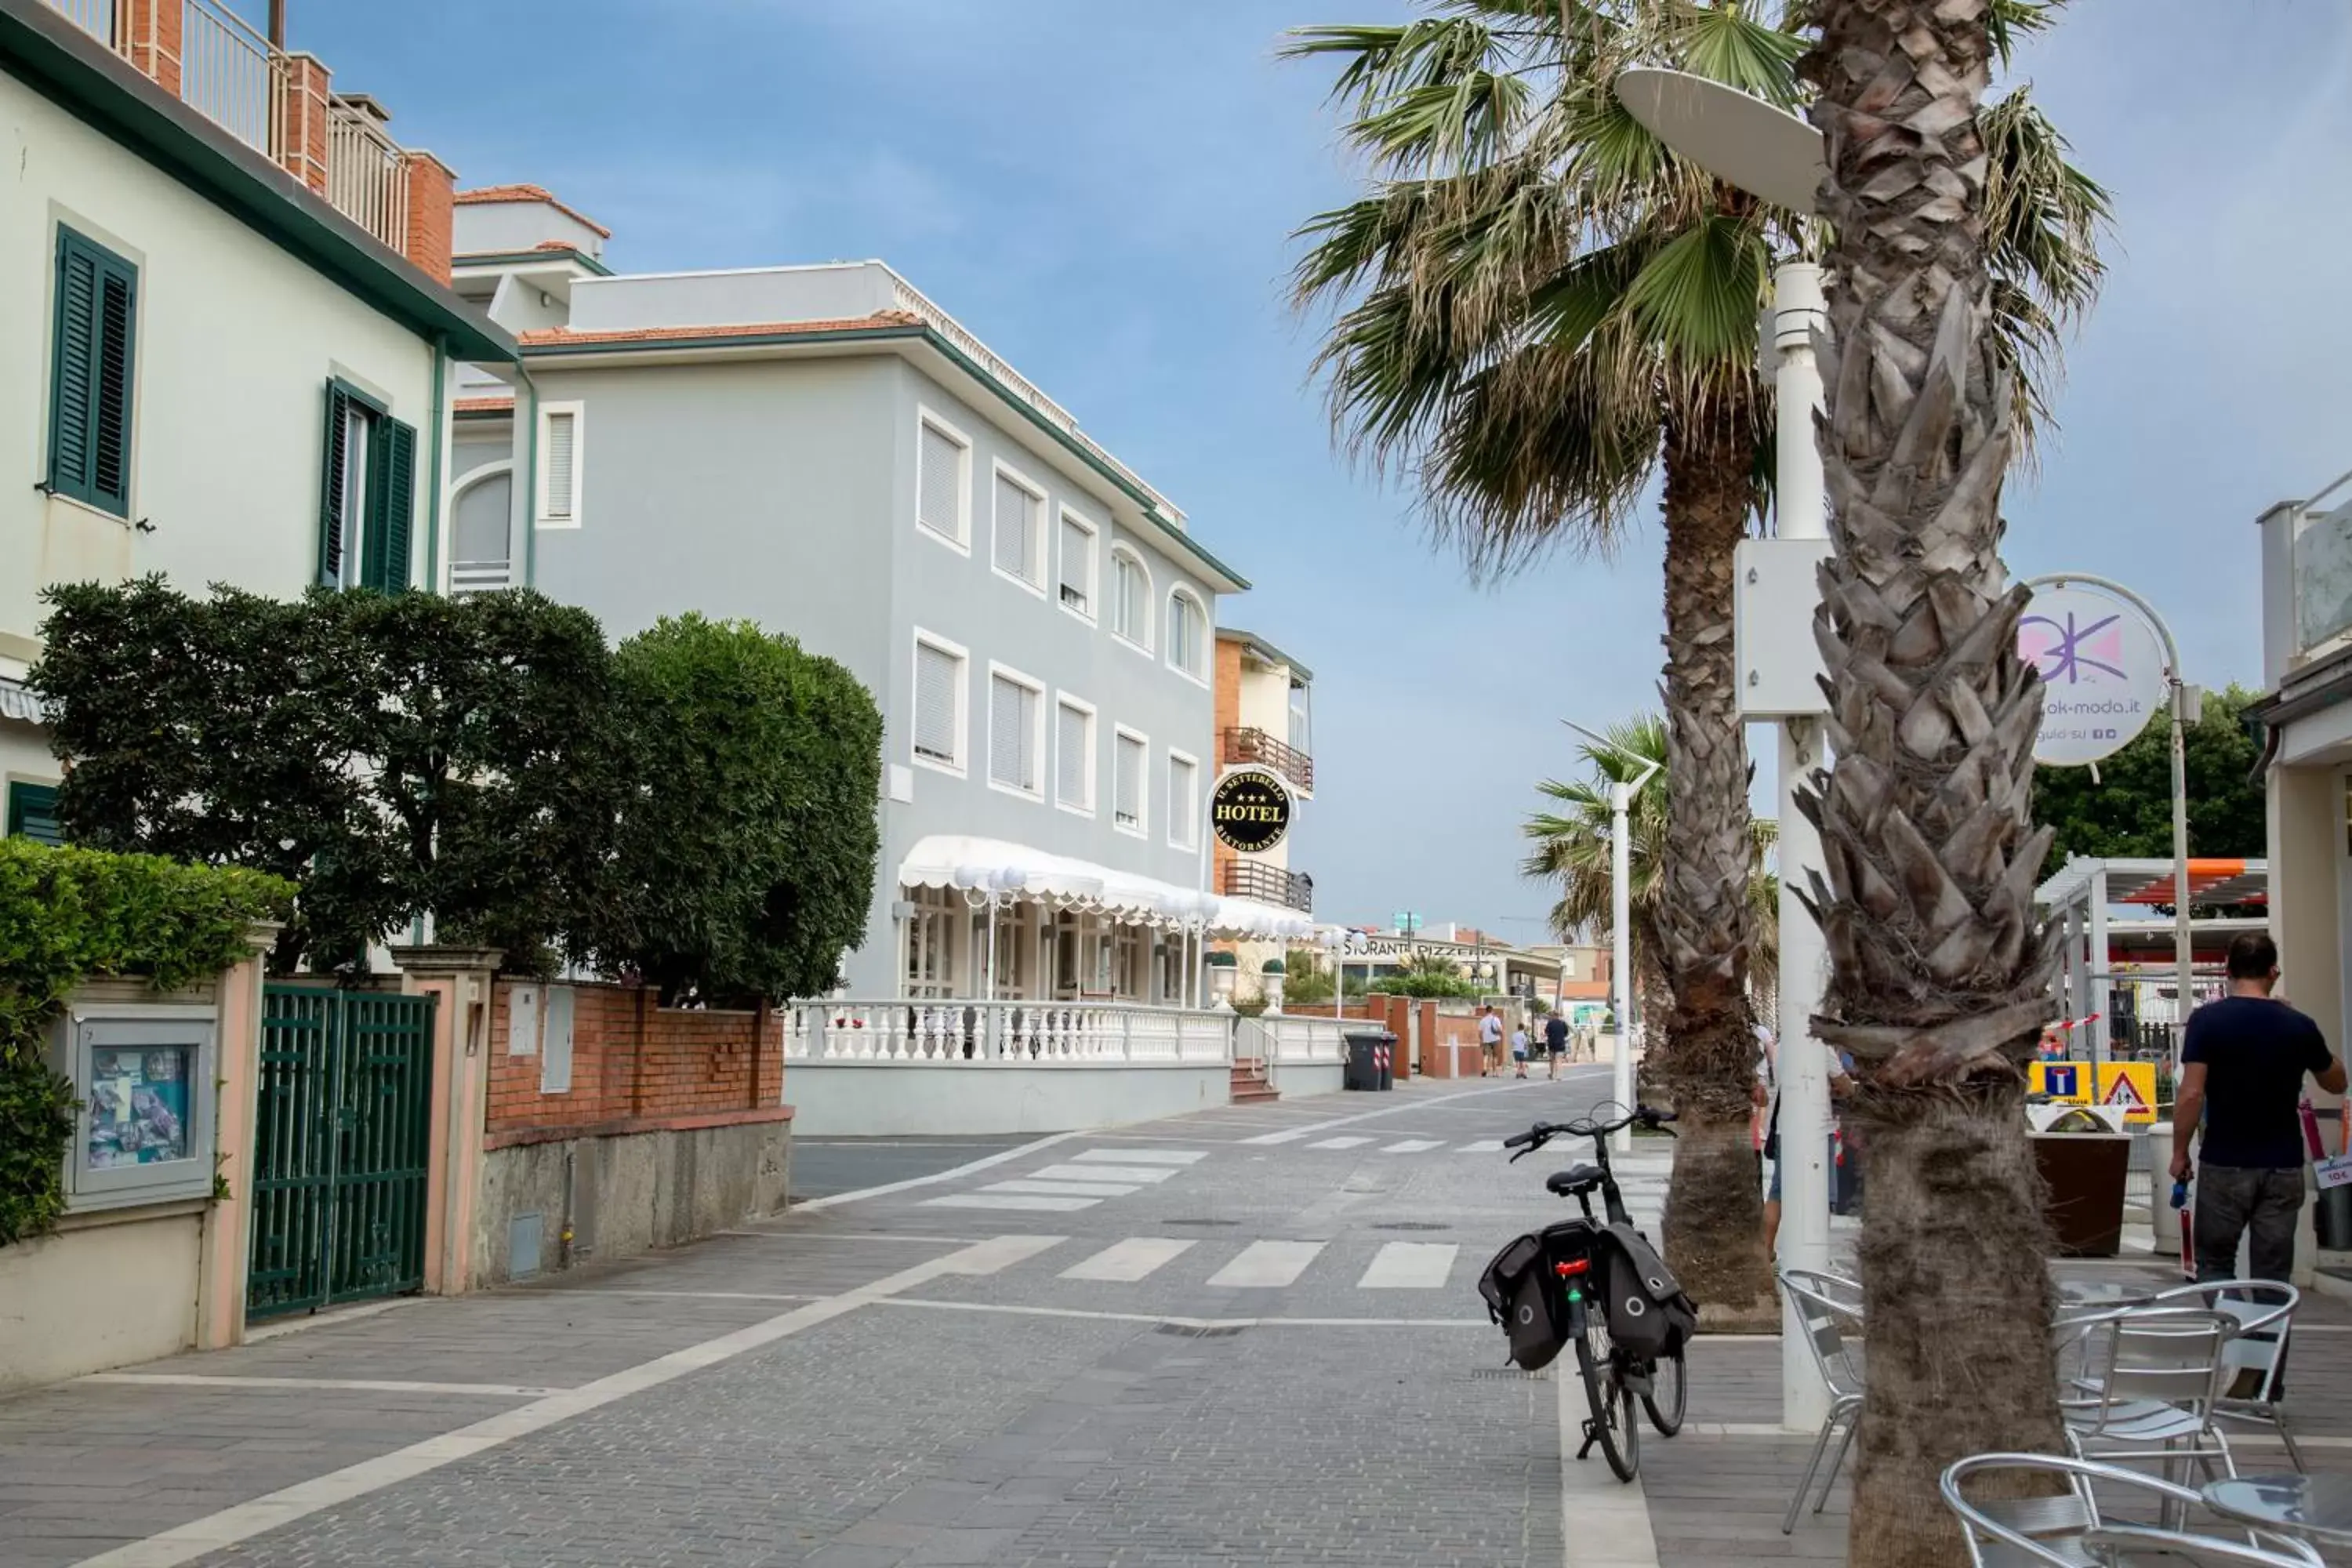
{"points": [[1576, 1253]]}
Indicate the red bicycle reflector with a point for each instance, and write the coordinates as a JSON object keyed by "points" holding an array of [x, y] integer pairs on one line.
{"points": [[1580, 1266]]}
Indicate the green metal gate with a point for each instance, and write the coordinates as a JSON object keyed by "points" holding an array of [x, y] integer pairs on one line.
{"points": [[340, 1135]]}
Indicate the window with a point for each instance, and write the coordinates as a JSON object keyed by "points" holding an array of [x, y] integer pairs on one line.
{"points": [[938, 727], [367, 505], [1187, 632], [89, 382], [1020, 529], [930, 942], [1074, 755], [943, 481], [1078, 565], [1131, 756], [33, 813], [1184, 801], [1016, 706], [1130, 597], [559, 465]]}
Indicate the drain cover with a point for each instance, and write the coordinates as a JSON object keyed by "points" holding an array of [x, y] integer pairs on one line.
{"points": [[1515, 1375], [1411, 1224], [1194, 1331], [1199, 1222]]}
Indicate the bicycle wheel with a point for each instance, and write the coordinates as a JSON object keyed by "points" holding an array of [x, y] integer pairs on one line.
{"points": [[1611, 1423], [1664, 1400]]}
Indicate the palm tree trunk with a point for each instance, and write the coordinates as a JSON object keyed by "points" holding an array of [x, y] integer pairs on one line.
{"points": [[1939, 967], [1714, 1228]]}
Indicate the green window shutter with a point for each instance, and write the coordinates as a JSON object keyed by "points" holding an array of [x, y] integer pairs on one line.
{"points": [[33, 813], [331, 487], [393, 497], [91, 381]]}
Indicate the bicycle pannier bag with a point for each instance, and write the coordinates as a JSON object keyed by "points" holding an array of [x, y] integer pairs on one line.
{"points": [[1519, 1296], [1649, 1314]]}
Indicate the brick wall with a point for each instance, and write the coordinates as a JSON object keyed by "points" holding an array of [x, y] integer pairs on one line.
{"points": [[430, 187], [634, 1062]]}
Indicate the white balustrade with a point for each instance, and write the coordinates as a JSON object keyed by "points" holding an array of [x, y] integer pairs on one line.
{"points": [[919, 1031], [1286, 1038], [229, 74]]}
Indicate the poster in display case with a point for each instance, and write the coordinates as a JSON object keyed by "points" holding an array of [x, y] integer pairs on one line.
{"points": [[144, 1084]]}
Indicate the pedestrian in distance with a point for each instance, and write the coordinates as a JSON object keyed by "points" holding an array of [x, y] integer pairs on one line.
{"points": [[1490, 1042], [1765, 1096], [2243, 1058], [1519, 1051], [1555, 1031]]}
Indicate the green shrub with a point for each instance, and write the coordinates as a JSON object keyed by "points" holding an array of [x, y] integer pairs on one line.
{"points": [[745, 859], [71, 915]]}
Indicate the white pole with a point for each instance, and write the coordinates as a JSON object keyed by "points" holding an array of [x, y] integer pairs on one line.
{"points": [[1621, 924], [1802, 1074], [2183, 943]]}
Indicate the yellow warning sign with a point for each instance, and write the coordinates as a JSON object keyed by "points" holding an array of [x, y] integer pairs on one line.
{"points": [[2131, 1085]]}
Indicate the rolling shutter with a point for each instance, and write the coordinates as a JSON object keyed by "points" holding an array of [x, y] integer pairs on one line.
{"points": [[1010, 727], [1077, 567], [562, 467], [1127, 786], [939, 484], [1070, 757], [89, 401], [937, 673], [1014, 527], [1183, 809]]}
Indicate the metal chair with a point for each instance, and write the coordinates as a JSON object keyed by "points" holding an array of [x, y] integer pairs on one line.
{"points": [[2256, 1357], [1830, 1306], [2067, 1529], [2156, 1395]]}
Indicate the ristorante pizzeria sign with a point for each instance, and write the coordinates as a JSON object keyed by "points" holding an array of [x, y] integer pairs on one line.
{"points": [[1249, 811]]}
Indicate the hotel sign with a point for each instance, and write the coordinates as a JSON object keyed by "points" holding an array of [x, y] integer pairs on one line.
{"points": [[1249, 811]]}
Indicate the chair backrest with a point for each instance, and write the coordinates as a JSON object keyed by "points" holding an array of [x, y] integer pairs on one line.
{"points": [[2264, 1311], [2172, 1354], [2054, 1528], [1830, 1306]]}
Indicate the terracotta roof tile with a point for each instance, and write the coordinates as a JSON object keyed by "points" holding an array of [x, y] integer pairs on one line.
{"points": [[483, 405], [487, 194], [551, 337]]}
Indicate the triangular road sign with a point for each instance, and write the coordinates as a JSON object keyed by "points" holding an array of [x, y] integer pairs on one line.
{"points": [[2122, 1092]]}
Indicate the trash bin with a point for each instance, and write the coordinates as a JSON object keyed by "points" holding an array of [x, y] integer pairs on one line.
{"points": [[2084, 1174], [1364, 1069]]}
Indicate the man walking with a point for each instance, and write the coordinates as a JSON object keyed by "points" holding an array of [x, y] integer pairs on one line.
{"points": [[1490, 1043], [2242, 1062], [1555, 1041]]}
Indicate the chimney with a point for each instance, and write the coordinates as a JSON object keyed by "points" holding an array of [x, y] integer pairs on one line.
{"points": [[278, 26], [305, 119], [151, 39], [431, 184]]}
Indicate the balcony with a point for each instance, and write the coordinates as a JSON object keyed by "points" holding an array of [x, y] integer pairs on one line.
{"points": [[276, 103], [1267, 884], [1248, 745]]}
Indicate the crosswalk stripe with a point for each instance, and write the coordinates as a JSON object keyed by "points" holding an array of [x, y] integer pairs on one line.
{"points": [[1125, 1262], [1267, 1265], [1413, 1146], [1410, 1266], [1065, 1189], [1338, 1143], [1008, 1201], [1133, 1174], [1484, 1146], [1142, 1156]]}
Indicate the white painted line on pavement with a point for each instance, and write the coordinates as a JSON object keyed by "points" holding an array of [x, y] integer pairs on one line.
{"points": [[1603, 1522], [353, 1384], [1065, 1189], [1340, 1143], [1125, 1262], [1484, 1146], [1010, 1201], [1412, 1146], [185, 1543], [1131, 1174], [1266, 1264], [1142, 1156], [814, 1205], [1410, 1266]]}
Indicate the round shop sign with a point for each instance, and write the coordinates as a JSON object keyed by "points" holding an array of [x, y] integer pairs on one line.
{"points": [[1249, 811], [2102, 667]]}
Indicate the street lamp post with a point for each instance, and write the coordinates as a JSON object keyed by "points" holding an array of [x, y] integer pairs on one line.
{"points": [[1621, 922]]}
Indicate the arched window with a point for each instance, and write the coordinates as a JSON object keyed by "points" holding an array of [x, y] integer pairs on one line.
{"points": [[1130, 597], [481, 555], [1188, 634]]}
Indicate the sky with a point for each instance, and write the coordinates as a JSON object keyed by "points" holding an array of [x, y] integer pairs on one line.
{"points": [[1104, 192]]}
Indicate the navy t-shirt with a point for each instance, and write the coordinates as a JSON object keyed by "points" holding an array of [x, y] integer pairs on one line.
{"points": [[2255, 1053]]}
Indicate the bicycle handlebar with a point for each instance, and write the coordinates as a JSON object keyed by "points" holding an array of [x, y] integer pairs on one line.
{"points": [[1543, 1133]]}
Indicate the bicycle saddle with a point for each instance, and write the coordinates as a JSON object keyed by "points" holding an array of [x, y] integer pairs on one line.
{"points": [[1574, 1180]]}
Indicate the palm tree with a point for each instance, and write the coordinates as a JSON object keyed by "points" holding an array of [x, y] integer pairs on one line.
{"points": [[1572, 847], [1940, 967], [1540, 309]]}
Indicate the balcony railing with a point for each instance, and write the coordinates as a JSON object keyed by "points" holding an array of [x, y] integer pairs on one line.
{"points": [[235, 78], [1251, 745], [1268, 885]]}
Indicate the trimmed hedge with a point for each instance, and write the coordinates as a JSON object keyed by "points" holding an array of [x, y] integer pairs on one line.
{"points": [[71, 915]]}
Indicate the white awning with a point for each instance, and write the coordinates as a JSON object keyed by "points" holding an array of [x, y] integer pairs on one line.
{"points": [[1015, 871]]}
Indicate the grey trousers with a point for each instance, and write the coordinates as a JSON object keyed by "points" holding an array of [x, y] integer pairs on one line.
{"points": [[2260, 1204]]}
